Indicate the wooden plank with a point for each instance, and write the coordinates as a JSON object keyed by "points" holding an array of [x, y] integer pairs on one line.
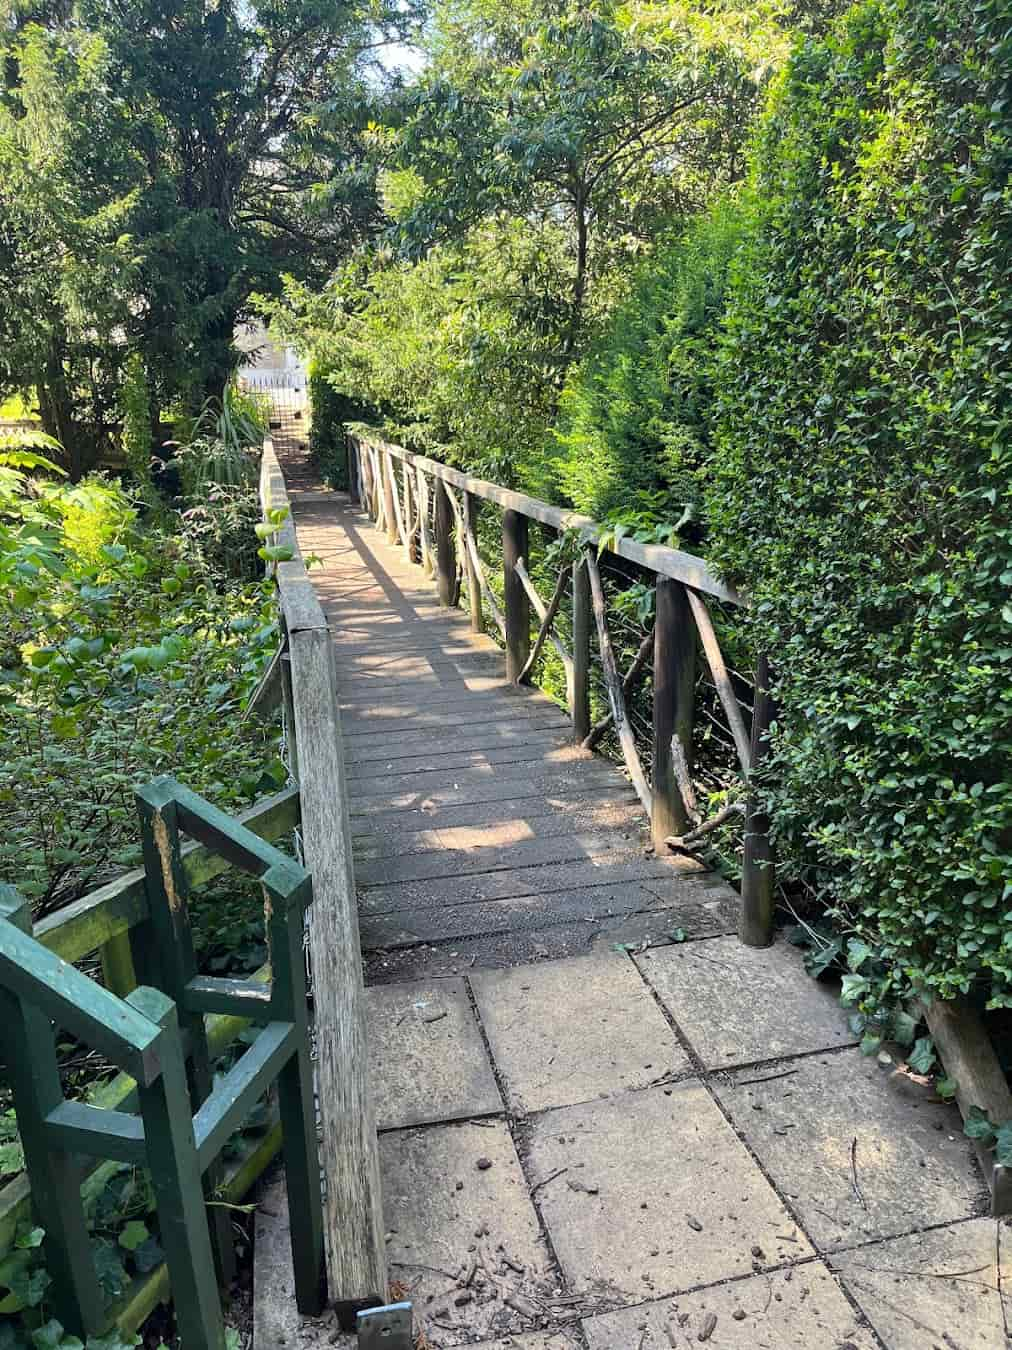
{"points": [[674, 697], [969, 1059], [356, 1255], [668, 562], [614, 685], [757, 873]]}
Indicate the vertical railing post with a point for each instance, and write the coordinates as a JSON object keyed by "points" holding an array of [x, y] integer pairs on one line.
{"points": [[354, 491], [286, 928], [674, 687], [410, 548], [757, 875], [169, 928], [473, 585], [579, 693], [175, 1177], [27, 1043], [387, 469], [516, 604], [446, 561]]}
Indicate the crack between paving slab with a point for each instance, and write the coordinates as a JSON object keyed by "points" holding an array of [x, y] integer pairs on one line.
{"points": [[704, 1077], [514, 1126]]}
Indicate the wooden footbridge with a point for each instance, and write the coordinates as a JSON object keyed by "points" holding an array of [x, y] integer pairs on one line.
{"points": [[483, 827]]}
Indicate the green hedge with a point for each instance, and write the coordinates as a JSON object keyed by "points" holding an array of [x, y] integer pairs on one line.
{"points": [[861, 488], [329, 410], [635, 424]]}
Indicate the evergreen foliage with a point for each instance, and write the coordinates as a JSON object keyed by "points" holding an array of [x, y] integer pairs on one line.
{"points": [[635, 426], [863, 480]]}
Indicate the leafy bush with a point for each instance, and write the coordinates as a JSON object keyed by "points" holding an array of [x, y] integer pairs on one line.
{"points": [[635, 424], [329, 410], [863, 482], [123, 655]]}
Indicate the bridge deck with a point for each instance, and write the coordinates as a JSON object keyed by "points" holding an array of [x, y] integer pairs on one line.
{"points": [[482, 834]]}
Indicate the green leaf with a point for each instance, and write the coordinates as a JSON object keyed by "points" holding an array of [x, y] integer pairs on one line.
{"points": [[978, 1126], [134, 1235], [922, 1058], [109, 1267], [1003, 1144], [903, 1027], [946, 1088], [852, 987]]}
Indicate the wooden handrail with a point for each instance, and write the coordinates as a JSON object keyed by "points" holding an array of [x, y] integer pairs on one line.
{"points": [[667, 562], [353, 1220]]}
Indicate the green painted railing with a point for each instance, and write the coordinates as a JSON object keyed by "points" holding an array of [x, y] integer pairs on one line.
{"points": [[118, 922]]}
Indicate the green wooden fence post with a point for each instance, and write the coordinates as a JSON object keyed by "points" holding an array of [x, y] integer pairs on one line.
{"points": [[165, 882], [29, 1051], [175, 1175], [286, 898]]}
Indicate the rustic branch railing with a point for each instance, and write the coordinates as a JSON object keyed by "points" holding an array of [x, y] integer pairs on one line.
{"points": [[356, 1254], [683, 622]]}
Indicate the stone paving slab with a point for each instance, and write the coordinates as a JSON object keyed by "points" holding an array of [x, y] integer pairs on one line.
{"points": [[569, 1031], [427, 1057], [739, 1004], [667, 1198], [438, 1196], [832, 1118], [801, 1308], [935, 1289]]}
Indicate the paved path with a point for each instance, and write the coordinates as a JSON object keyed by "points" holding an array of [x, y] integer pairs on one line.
{"points": [[604, 1123]]}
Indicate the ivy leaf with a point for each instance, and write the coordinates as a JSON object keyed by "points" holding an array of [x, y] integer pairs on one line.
{"points": [[30, 1239], [857, 953], [1003, 1144], [922, 1058], [109, 1268], [978, 1126], [51, 1337], [852, 987], [134, 1235], [903, 1027], [946, 1088]]}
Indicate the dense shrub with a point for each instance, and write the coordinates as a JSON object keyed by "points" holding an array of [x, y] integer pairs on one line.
{"points": [[329, 411], [864, 479], [635, 425], [122, 655]]}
